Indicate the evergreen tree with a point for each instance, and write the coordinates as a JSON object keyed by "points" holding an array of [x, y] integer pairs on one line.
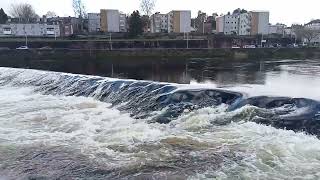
{"points": [[135, 24], [3, 17]]}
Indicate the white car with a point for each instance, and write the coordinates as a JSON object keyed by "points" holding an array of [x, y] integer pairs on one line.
{"points": [[22, 48], [249, 46]]}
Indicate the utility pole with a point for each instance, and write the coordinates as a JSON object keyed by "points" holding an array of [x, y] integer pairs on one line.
{"points": [[25, 33], [187, 40], [110, 41]]}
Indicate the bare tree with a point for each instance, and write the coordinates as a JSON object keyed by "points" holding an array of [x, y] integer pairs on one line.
{"points": [[51, 14], [25, 12], [306, 33], [79, 9], [147, 6]]}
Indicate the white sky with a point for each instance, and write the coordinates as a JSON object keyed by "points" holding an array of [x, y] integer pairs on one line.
{"points": [[282, 11]]}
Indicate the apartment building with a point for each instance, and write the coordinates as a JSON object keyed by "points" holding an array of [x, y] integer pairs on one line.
{"points": [[93, 22], [159, 23], [109, 20], [231, 24], [179, 22], [122, 22], [244, 24], [32, 30], [259, 22], [247, 23]]}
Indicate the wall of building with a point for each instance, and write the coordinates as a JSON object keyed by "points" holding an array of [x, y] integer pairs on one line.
{"points": [[103, 20], [33, 30], [185, 21], [244, 24], [94, 22], [113, 19], [263, 27], [109, 20], [220, 24], [179, 21], [259, 22], [231, 24], [122, 22]]}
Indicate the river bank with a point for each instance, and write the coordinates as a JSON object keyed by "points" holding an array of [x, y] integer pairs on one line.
{"points": [[129, 54]]}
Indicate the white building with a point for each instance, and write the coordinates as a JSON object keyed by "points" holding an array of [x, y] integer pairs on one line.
{"points": [[231, 24], [122, 22], [244, 24], [33, 30], [94, 22], [277, 29], [159, 23], [228, 24], [179, 22]]}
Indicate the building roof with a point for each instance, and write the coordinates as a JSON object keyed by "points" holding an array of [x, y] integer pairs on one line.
{"points": [[314, 21]]}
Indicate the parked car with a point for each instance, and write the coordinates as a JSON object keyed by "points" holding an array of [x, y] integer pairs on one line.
{"points": [[22, 48], [293, 45], [45, 48], [249, 46], [235, 47]]}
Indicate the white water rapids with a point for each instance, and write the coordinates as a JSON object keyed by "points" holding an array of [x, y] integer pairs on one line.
{"points": [[45, 136]]}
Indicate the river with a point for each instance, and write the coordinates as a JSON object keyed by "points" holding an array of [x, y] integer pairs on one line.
{"points": [[203, 120]]}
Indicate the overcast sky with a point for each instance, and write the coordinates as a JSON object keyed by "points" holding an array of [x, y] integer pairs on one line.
{"points": [[282, 11]]}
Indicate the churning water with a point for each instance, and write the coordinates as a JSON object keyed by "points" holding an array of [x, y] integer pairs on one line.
{"points": [[66, 126]]}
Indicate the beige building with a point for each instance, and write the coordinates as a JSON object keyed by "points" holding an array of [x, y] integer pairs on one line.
{"points": [[179, 21], [259, 22], [109, 20]]}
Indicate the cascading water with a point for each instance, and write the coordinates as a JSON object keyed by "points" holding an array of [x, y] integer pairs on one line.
{"points": [[58, 125]]}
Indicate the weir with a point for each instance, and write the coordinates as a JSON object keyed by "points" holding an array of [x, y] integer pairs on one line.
{"points": [[165, 102]]}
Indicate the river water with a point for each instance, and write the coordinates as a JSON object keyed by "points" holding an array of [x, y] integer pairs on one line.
{"points": [[204, 120]]}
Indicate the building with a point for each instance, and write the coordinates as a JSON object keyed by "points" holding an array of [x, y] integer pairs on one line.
{"points": [[228, 24], [259, 22], [244, 24], [109, 20], [220, 24], [31, 30], [93, 22], [123, 22], [231, 24], [314, 25], [159, 23], [179, 22], [68, 25], [278, 29]]}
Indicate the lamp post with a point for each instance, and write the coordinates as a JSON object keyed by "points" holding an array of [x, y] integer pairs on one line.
{"points": [[25, 33]]}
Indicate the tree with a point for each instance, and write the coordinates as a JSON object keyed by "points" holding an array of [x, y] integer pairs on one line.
{"points": [[25, 12], [135, 24], [51, 14], [147, 6], [306, 33], [145, 23], [3, 17], [79, 9]]}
